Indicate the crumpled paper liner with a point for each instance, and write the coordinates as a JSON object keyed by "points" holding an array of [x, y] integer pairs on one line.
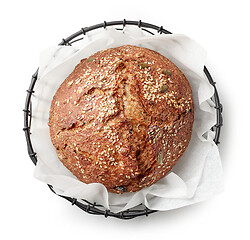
{"points": [[197, 175]]}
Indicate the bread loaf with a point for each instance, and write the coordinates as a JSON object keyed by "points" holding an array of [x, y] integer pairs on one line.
{"points": [[122, 118]]}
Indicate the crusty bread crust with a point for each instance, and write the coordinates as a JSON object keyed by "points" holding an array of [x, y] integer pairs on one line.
{"points": [[122, 118]]}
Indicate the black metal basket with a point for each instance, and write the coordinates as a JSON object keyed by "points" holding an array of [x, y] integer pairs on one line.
{"points": [[93, 208]]}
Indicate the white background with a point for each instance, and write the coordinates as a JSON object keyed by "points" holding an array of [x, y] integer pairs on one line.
{"points": [[30, 210]]}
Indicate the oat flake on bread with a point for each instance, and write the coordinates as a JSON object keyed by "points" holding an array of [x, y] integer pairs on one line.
{"points": [[122, 118]]}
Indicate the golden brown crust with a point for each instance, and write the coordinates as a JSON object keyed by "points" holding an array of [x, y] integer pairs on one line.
{"points": [[122, 118]]}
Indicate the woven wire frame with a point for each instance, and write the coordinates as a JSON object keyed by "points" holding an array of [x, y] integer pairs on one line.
{"points": [[93, 208]]}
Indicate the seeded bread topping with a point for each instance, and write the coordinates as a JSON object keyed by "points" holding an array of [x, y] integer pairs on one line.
{"points": [[122, 118]]}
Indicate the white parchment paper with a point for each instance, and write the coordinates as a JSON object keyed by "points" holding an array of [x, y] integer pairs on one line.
{"points": [[198, 174]]}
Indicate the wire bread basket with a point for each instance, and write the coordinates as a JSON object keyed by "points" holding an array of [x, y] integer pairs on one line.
{"points": [[94, 208]]}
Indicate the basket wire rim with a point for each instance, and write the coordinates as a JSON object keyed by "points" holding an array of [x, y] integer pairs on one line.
{"points": [[93, 208]]}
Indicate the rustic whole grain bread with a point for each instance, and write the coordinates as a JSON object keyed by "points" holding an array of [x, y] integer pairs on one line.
{"points": [[122, 118]]}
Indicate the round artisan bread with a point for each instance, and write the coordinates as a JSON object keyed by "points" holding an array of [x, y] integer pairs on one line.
{"points": [[122, 118]]}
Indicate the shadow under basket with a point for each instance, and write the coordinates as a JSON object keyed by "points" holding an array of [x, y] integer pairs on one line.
{"points": [[93, 208]]}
